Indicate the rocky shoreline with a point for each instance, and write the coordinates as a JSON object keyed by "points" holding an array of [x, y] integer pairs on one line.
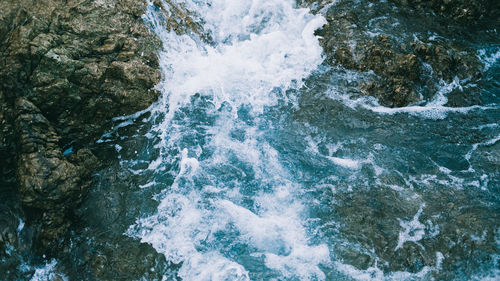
{"points": [[406, 50], [69, 67]]}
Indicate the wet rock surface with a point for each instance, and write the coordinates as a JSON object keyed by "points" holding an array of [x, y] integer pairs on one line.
{"points": [[66, 69], [81, 63], [8, 195], [403, 53], [446, 200], [468, 12], [406, 56], [47, 182], [100, 250]]}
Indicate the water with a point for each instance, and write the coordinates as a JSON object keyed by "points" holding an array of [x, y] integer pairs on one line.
{"points": [[263, 168], [256, 163], [250, 167], [233, 210]]}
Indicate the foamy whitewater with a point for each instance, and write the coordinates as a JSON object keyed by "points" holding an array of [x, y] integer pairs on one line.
{"points": [[250, 189], [231, 187], [264, 160]]}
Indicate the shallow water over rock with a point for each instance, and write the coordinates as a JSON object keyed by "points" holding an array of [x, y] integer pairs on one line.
{"points": [[262, 160]]}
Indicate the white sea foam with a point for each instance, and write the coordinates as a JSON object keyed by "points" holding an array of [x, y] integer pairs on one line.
{"points": [[413, 230], [374, 273], [433, 109], [212, 266], [20, 226], [241, 192], [261, 45], [345, 162], [489, 57], [333, 148], [48, 272], [474, 147]]}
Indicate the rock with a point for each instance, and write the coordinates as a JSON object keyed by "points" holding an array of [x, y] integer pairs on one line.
{"points": [[10, 210], [67, 68], [58, 55], [408, 64], [8, 226], [104, 252], [106, 257], [464, 11], [47, 182]]}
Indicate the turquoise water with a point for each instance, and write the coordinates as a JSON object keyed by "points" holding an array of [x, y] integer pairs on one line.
{"points": [[268, 169], [257, 163]]}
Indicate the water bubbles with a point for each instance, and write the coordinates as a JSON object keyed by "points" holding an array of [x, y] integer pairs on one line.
{"points": [[230, 192]]}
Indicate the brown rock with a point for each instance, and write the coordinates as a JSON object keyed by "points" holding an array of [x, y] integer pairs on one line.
{"points": [[46, 181], [407, 69], [67, 68]]}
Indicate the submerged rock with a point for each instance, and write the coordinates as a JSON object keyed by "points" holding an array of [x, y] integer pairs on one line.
{"points": [[407, 58], [465, 11]]}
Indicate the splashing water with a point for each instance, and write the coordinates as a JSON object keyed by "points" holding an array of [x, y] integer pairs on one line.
{"points": [[259, 175], [48, 272], [230, 192], [263, 161]]}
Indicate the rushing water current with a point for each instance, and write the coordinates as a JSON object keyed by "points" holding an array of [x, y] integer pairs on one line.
{"points": [[234, 209], [256, 164]]}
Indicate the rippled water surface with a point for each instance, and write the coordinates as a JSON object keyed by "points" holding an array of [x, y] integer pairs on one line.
{"points": [[257, 164]]}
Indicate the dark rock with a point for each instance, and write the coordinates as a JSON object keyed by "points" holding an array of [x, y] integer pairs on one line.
{"points": [[81, 63], [408, 64], [368, 236], [66, 69], [465, 11], [100, 250], [46, 181], [8, 225], [9, 204]]}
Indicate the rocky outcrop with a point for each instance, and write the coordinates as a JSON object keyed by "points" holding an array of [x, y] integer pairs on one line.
{"points": [[47, 182], [406, 59], [66, 69], [80, 62], [465, 11]]}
